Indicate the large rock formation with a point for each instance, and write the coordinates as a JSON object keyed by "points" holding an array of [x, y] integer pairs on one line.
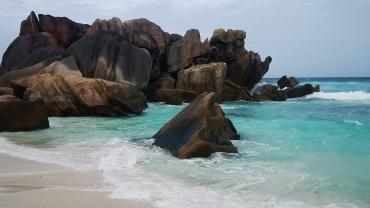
{"points": [[18, 115], [182, 54], [244, 68], [106, 55], [198, 131], [70, 95], [203, 78]]}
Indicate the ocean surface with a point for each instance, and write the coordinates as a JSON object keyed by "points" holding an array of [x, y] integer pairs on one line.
{"points": [[307, 152]]}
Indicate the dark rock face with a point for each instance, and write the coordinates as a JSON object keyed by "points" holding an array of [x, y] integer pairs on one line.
{"points": [[182, 54], [203, 78], [30, 25], [198, 131], [18, 51], [63, 29], [152, 29], [244, 68], [229, 45], [106, 55], [288, 82], [299, 91], [70, 95], [248, 70], [173, 96], [114, 24], [268, 92], [17, 115], [142, 37]]}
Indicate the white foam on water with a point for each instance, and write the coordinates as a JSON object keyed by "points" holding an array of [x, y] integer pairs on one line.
{"points": [[150, 174], [76, 157], [358, 123], [138, 173], [341, 96]]}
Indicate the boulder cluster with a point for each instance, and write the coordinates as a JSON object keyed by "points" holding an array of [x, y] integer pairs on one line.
{"points": [[165, 67], [58, 67], [287, 87]]}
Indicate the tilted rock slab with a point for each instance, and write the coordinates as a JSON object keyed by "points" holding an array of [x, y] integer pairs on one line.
{"points": [[199, 130]]}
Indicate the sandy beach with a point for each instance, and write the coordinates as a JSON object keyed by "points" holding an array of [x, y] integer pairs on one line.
{"points": [[28, 184]]}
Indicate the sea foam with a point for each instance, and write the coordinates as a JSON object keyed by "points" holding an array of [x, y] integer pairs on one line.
{"points": [[341, 96]]}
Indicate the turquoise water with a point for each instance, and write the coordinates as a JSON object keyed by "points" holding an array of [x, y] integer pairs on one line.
{"points": [[306, 152]]}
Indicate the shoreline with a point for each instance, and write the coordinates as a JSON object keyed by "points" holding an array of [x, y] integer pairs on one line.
{"points": [[31, 184]]}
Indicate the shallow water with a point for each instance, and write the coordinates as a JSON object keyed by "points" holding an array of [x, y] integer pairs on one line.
{"points": [[306, 152]]}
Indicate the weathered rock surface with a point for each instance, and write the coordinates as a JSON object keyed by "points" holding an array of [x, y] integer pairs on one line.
{"points": [[173, 96], [233, 92], [18, 51], [106, 55], [30, 25], [203, 78], [299, 91], [54, 66], [70, 95], [268, 92], [18, 115], [6, 91], [248, 70], [182, 54], [229, 45], [63, 29], [198, 130], [288, 82], [113, 24], [152, 29], [244, 68]]}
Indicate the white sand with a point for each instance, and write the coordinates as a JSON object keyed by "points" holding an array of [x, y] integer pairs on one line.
{"points": [[30, 184]]}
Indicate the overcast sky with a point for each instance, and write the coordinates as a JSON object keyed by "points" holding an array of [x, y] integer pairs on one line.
{"points": [[304, 37]]}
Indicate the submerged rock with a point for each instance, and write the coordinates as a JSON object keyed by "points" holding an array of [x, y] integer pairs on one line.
{"points": [[198, 130], [18, 115], [70, 95]]}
